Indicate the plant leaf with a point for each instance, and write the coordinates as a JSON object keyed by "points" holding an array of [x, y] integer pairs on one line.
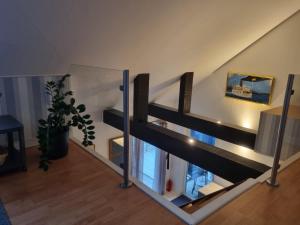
{"points": [[72, 101], [89, 122], [81, 108], [86, 117], [42, 122], [68, 93], [90, 127]]}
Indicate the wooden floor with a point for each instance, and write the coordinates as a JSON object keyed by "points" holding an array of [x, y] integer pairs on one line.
{"points": [[81, 190], [263, 205], [77, 190]]}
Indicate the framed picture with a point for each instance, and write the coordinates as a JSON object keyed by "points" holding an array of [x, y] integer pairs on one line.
{"points": [[249, 87]]}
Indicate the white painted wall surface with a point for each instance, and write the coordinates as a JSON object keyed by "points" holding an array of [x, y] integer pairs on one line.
{"points": [[277, 54], [44, 37]]}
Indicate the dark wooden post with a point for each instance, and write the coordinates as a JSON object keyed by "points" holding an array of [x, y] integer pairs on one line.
{"points": [[140, 98], [185, 92]]}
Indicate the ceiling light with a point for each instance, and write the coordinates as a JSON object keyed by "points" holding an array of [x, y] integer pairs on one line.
{"points": [[247, 124], [191, 140]]}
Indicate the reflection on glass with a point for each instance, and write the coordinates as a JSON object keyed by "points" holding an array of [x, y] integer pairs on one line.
{"points": [[203, 137], [197, 177], [295, 99], [291, 140], [115, 154], [182, 182], [149, 162]]}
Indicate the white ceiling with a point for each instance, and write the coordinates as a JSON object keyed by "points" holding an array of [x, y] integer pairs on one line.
{"points": [[165, 38]]}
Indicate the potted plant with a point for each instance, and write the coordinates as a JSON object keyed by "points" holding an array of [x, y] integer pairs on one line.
{"points": [[53, 132]]}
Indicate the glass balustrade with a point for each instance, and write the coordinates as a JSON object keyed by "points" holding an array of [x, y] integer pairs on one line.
{"points": [[99, 89], [291, 140]]}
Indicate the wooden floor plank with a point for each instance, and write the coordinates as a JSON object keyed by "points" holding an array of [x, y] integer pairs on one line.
{"points": [[79, 190], [264, 205]]}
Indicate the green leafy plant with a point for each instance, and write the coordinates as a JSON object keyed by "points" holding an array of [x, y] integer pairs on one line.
{"points": [[63, 114]]}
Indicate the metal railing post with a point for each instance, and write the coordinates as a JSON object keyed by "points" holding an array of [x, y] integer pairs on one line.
{"points": [[289, 91], [126, 131]]}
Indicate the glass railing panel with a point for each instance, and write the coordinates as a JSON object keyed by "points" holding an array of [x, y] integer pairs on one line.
{"points": [[24, 97], [291, 140], [295, 99], [246, 152], [176, 180], [99, 89], [183, 184]]}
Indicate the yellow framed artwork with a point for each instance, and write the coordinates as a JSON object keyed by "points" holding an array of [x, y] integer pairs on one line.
{"points": [[249, 87]]}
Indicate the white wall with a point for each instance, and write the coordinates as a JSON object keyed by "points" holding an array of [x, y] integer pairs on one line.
{"points": [[244, 152], [221, 181], [24, 98], [44, 37], [177, 174], [277, 54], [178, 167]]}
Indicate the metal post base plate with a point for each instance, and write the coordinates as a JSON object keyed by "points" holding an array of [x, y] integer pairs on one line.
{"points": [[125, 186], [271, 184]]}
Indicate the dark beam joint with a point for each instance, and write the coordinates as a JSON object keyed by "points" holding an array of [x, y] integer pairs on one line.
{"points": [[140, 98], [185, 92]]}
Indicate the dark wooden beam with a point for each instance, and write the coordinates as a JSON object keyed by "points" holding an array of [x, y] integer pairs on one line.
{"points": [[230, 133], [230, 166], [185, 92], [140, 98]]}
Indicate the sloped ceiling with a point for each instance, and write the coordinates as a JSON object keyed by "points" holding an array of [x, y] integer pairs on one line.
{"points": [[165, 38]]}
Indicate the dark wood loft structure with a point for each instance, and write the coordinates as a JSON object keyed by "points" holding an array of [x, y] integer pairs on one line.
{"points": [[230, 166]]}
